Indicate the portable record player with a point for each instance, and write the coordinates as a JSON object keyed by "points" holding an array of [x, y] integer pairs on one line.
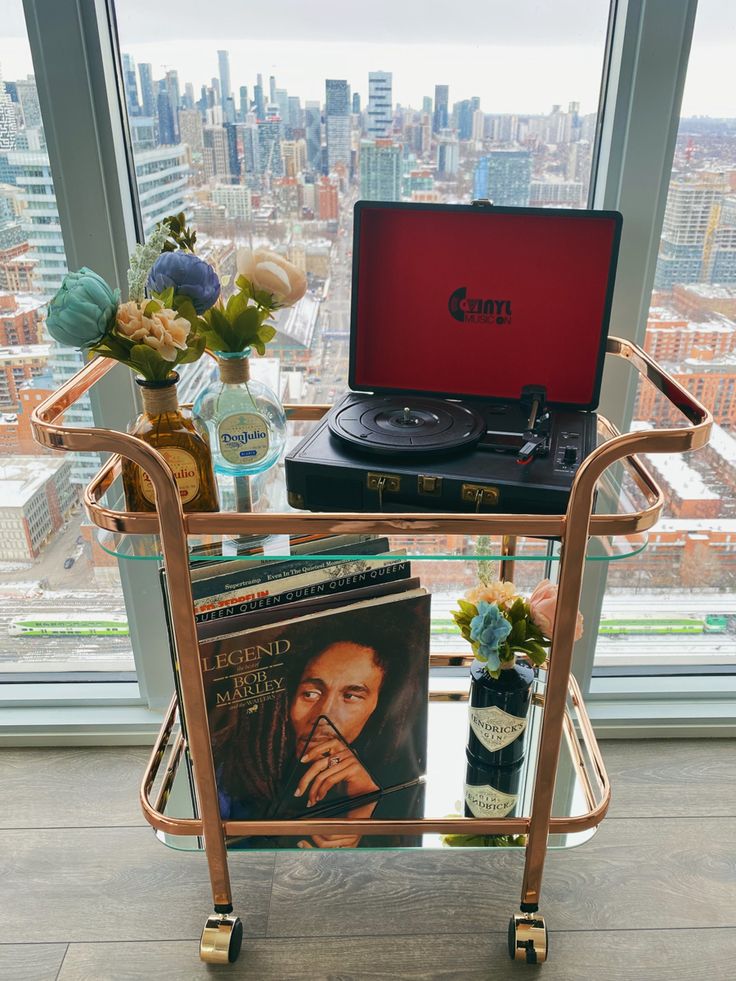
{"points": [[477, 341]]}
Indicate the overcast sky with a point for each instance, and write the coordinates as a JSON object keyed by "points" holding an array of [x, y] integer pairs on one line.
{"points": [[519, 56]]}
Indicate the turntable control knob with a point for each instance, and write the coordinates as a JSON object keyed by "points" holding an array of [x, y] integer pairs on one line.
{"points": [[570, 455]]}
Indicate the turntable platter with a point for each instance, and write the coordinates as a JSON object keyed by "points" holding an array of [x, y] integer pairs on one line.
{"points": [[400, 425]]}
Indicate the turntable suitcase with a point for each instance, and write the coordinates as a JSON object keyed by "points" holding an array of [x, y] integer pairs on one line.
{"points": [[477, 341]]}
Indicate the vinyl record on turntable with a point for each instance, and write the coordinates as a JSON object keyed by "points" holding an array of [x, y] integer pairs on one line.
{"points": [[396, 425]]}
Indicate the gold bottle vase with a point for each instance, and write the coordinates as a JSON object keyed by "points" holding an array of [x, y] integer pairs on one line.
{"points": [[164, 425]]}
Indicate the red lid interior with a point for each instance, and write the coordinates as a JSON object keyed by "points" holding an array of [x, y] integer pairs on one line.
{"points": [[535, 308]]}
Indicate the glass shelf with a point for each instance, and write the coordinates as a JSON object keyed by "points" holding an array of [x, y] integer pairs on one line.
{"points": [[443, 791], [266, 493]]}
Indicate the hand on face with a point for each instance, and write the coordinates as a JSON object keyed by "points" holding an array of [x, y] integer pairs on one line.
{"points": [[332, 763]]}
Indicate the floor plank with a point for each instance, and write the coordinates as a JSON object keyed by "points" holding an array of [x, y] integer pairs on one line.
{"points": [[71, 788], [116, 884], [668, 873], [39, 962], [670, 778], [615, 956]]}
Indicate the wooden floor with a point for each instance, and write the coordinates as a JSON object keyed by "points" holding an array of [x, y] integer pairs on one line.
{"points": [[86, 892]]}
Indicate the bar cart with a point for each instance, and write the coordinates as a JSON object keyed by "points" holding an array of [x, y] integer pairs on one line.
{"points": [[558, 722]]}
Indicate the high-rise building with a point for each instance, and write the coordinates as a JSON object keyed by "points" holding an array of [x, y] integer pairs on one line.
{"points": [[8, 120], [380, 170], [296, 116], [441, 99], [190, 127], [187, 100], [380, 108], [272, 90], [327, 206], [448, 154], [249, 137], [223, 59], [270, 160], [216, 152], [504, 177], [258, 98], [337, 122], [356, 103], [294, 153], [313, 129], [244, 103], [165, 116], [28, 99], [142, 133], [236, 199], [690, 222], [427, 105], [172, 89], [232, 150], [145, 75], [462, 113], [131, 86]]}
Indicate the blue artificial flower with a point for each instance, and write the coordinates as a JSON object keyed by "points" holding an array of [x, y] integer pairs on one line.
{"points": [[189, 275], [489, 629], [83, 309]]}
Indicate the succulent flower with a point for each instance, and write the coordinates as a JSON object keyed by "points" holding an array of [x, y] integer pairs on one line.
{"points": [[83, 309], [188, 275], [270, 272], [163, 330], [488, 630]]}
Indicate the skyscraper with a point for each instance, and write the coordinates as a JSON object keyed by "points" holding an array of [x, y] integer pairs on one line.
{"points": [[380, 111], [441, 99], [244, 103], [337, 122], [448, 154], [258, 99], [380, 170], [272, 89], [313, 130], [145, 74], [8, 121], [165, 116], [223, 58], [690, 219], [28, 98], [172, 89], [356, 103], [270, 160], [131, 86], [504, 177]]}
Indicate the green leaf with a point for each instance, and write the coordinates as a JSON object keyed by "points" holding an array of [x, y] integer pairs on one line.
{"points": [[470, 609], [150, 364], [165, 297], [237, 303], [518, 632], [153, 306], [194, 351]]}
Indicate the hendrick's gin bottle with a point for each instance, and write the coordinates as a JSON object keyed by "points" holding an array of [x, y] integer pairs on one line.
{"points": [[491, 791], [497, 713]]}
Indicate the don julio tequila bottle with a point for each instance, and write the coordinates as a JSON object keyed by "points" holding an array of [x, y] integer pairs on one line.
{"points": [[243, 417], [169, 428], [497, 713]]}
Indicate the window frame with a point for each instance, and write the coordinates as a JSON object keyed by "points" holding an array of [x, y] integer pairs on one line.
{"points": [[79, 79]]}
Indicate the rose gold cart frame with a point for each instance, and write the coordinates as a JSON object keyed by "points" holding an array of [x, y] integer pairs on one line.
{"points": [[573, 529]]}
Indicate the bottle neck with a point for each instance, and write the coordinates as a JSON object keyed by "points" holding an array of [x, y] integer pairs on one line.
{"points": [[234, 371], [156, 401]]}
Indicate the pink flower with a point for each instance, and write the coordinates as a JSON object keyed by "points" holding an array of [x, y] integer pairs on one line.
{"points": [[269, 271], [543, 607]]}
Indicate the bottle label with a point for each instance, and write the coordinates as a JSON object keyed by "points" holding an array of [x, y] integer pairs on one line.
{"points": [[183, 466], [494, 727], [487, 802], [243, 437]]}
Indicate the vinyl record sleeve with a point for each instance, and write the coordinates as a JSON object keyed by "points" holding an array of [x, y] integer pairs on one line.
{"points": [[364, 668]]}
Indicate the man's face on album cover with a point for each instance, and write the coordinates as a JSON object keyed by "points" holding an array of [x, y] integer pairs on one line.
{"points": [[342, 683]]}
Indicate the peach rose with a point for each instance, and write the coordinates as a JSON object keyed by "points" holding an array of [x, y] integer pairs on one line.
{"points": [[501, 593], [272, 273], [164, 331], [543, 606]]}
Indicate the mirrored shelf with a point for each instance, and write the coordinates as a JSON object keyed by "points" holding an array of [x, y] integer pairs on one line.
{"points": [[578, 787], [267, 493]]}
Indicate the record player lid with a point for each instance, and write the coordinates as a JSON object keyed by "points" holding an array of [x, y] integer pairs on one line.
{"points": [[461, 300]]}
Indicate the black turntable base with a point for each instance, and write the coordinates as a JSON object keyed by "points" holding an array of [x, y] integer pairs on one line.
{"points": [[411, 453]]}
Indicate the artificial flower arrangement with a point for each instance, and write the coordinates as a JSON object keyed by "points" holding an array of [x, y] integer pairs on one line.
{"points": [[499, 623], [173, 312]]}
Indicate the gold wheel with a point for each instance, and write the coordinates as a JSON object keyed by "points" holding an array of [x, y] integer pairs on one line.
{"points": [[528, 939], [221, 939]]}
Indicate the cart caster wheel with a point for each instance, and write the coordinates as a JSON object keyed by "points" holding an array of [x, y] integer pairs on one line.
{"points": [[221, 939], [528, 939]]}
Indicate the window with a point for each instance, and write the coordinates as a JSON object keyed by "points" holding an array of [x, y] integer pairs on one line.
{"points": [[673, 607], [269, 139], [49, 557]]}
